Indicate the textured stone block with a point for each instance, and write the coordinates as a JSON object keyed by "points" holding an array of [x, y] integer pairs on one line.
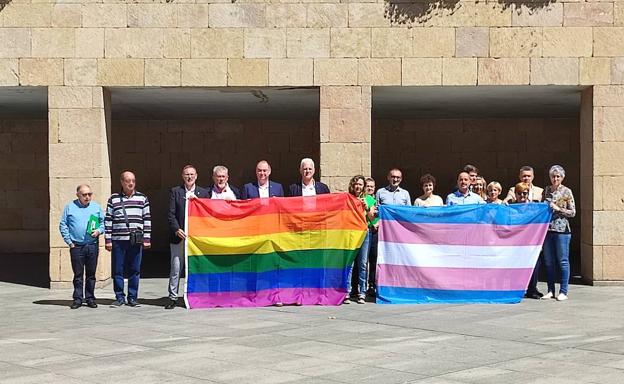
{"points": [[462, 14], [609, 96], [248, 72], [608, 41], [162, 72], [618, 14], [524, 15], [265, 43], [343, 98], [459, 71], [595, 70], [70, 160], [379, 72], [80, 71], [204, 72], [350, 42], [237, 15], [111, 72], [617, 70], [335, 72], [26, 15], [82, 126], [307, 42], [472, 42], [134, 43], [433, 42], [177, 43], [66, 15], [348, 155], [606, 158], [41, 71], [612, 187], [613, 262], [607, 228], [70, 97], [152, 15], [192, 15], [9, 72], [492, 14], [515, 42], [391, 42], [425, 71], [293, 72], [609, 124], [327, 15], [15, 42], [104, 15], [567, 42], [217, 43], [286, 15], [588, 14], [368, 15], [560, 71], [53, 42], [89, 43], [506, 71]]}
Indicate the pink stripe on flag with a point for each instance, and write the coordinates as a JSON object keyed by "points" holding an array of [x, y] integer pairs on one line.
{"points": [[264, 298], [462, 234], [474, 279]]}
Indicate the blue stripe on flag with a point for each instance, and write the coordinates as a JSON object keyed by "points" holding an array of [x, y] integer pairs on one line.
{"points": [[399, 295], [496, 214]]}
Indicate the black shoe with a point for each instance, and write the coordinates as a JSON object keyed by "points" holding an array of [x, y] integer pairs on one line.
{"points": [[91, 304], [532, 295], [76, 304], [117, 303], [132, 302], [540, 294], [172, 304]]}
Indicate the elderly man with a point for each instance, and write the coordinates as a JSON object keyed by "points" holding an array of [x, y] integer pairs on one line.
{"points": [[221, 190], [178, 197], [463, 195], [81, 224], [308, 186], [128, 228], [263, 187], [393, 194], [526, 176]]}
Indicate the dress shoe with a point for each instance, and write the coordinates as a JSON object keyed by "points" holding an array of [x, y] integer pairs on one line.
{"points": [[91, 304], [132, 302], [117, 303], [172, 304], [532, 295], [76, 304]]}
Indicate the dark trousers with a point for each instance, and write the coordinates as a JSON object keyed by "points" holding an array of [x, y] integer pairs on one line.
{"points": [[126, 258], [532, 288], [84, 262], [372, 262]]}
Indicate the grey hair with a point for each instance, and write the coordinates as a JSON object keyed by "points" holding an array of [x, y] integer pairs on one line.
{"points": [[526, 168], [82, 185], [306, 160], [219, 168], [556, 169]]}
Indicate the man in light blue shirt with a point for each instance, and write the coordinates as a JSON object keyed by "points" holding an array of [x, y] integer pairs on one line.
{"points": [[393, 194], [81, 224], [463, 195]]}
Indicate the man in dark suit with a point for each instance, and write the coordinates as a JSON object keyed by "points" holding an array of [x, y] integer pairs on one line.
{"points": [[308, 186], [221, 190], [177, 210], [263, 187]]}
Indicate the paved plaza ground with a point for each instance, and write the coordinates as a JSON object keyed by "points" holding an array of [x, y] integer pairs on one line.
{"points": [[43, 341]]}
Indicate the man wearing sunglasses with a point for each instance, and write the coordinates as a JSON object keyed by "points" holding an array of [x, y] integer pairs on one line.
{"points": [[526, 176], [81, 224]]}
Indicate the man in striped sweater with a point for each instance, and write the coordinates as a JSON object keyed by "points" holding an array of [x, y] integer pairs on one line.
{"points": [[118, 226]]}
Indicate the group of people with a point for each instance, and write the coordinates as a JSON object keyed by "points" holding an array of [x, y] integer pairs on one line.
{"points": [[126, 223]]}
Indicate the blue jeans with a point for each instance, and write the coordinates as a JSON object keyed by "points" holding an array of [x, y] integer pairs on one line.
{"points": [[84, 261], [557, 250], [360, 265], [126, 257]]}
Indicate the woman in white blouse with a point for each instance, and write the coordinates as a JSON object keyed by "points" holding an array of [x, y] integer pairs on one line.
{"points": [[428, 199]]}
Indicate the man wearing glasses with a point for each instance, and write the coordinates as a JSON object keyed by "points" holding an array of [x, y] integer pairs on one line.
{"points": [[81, 224], [393, 194]]}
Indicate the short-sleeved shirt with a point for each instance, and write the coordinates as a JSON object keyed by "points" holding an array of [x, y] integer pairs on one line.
{"points": [[386, 196], [457, 198], [370, 202], [431, 201]]}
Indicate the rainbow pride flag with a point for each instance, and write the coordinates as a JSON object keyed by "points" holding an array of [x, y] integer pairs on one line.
{"points": [[259, 252], [458, 254]]}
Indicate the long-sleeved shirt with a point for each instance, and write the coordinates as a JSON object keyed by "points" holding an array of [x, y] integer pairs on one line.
{"points": [[75, 219], [138, 211]]}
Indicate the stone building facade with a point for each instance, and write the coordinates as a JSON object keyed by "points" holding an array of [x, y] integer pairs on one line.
{"points": [[83, 52]]}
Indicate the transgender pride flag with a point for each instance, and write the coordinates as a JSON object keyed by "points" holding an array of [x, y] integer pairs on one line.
{"points": [[458, 254]]}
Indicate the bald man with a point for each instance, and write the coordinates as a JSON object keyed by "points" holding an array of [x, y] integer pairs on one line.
{"points": [[262, 187]]}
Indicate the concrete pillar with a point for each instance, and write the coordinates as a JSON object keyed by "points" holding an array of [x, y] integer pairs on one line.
{"points": [[79, 137], [602, 180], [345, 132]]}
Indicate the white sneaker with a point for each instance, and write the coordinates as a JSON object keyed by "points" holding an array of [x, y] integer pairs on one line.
{"points": [[562, 297], [547, 296], [346, 301]]}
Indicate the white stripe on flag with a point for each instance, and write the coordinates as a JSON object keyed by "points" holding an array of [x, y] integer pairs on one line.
{"points": [[458, 256]]}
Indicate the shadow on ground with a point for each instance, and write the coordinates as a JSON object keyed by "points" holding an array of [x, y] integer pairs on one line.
{"points": [[159, 302]]}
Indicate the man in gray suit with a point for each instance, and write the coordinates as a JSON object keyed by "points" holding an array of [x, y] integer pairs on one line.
{"points": [[177, 210]]}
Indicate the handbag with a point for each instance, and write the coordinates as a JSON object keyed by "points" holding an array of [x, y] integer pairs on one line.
{"points": [[135, 235]]}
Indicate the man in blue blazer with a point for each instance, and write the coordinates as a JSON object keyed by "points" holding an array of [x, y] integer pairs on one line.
{"points": [[263, 187], [176, 217], [308, 186]]}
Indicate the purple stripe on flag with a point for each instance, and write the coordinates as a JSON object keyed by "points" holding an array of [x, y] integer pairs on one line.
{"points": [[484, 279], [462, 234], [297, 296]]}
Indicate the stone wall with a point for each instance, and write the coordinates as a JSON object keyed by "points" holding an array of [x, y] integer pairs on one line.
{"points": [[157, 151], [24, 198]]}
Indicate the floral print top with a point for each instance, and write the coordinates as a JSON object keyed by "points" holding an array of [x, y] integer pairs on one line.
{"points": [[564, 199]]}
